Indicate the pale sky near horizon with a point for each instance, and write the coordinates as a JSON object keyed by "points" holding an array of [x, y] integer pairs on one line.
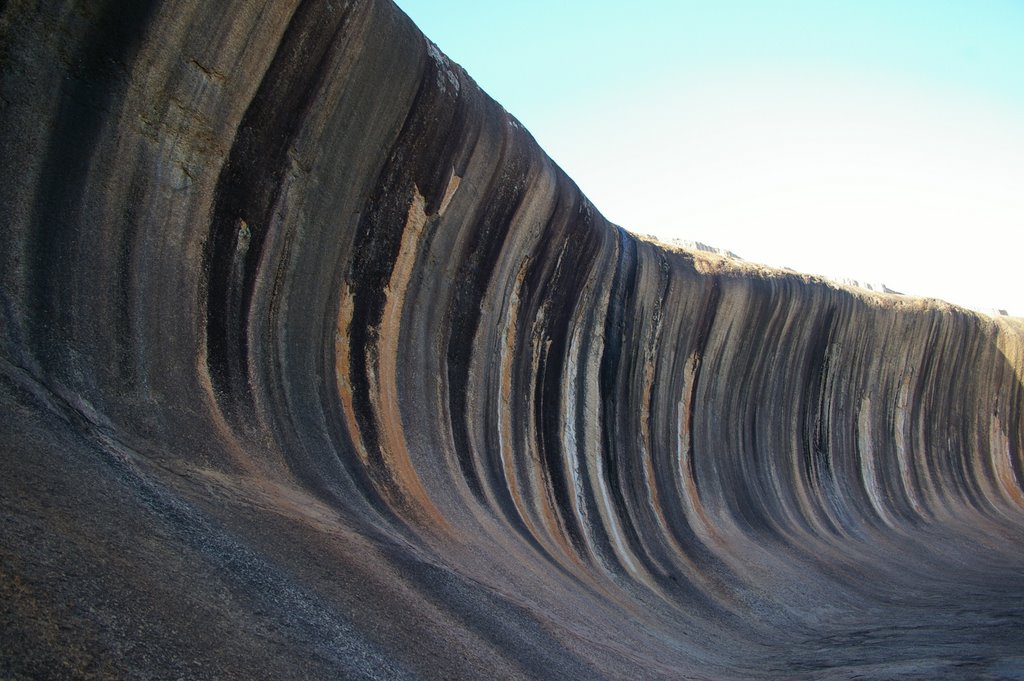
{"points": [[875, 140]]}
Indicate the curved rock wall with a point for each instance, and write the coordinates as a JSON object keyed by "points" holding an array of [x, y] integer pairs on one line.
{"points": [[315, 365]]}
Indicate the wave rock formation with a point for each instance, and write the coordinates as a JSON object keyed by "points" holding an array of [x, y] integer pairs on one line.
{"points": [[315, 366]]}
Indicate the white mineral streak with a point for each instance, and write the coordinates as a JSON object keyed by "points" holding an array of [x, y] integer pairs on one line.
{"points": [[506, 433], [571, 377], [869, 474], [901, 429]]}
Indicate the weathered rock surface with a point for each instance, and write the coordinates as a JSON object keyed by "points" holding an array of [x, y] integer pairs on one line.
{"points": [[315, 366]]}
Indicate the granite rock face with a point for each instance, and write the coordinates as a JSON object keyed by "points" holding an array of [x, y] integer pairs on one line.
{"points": [[315, 366]]}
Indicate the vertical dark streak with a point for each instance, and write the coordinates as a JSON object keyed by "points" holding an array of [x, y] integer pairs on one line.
{"points": [[700, 343], [89, 96], [249, 186], [507, 191]]}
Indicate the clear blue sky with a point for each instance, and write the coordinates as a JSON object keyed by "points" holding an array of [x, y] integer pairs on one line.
{"points": [[881, 141]]}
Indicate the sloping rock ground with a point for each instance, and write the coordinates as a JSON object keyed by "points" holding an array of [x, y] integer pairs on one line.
{"points": [[315, 366]]}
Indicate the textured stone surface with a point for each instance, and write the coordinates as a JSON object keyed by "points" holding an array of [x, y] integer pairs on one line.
{"points": [[315, 366]]}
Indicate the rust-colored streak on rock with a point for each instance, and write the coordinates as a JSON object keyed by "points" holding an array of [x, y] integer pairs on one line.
{"points": [[507, 438], [342, 372], [384, 381]]}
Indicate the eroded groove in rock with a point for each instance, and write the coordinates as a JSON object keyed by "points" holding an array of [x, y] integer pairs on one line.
{"points": [[314, 365]]}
